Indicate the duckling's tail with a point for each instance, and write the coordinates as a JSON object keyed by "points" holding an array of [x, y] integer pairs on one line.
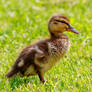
{"points": [[12, 73]]}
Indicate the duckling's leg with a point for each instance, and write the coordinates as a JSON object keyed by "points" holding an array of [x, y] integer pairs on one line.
{"points": [[41, 76]]}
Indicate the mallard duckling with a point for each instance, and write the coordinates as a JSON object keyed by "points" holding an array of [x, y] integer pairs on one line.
{"points": [[38, 58]]}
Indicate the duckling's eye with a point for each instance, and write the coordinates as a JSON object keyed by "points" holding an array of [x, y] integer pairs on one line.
{"points": [[62, 22]]}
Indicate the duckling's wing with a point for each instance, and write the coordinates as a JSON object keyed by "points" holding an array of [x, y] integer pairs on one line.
{"points": [[41, 55]]}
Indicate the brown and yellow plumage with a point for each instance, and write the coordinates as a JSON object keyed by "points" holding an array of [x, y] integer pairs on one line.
{"points": [[38, 58]]}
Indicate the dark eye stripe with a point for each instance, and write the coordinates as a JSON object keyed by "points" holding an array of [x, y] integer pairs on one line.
{"points": [[62, 22]]}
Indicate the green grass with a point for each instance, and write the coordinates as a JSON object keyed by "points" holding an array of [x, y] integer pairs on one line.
{"points": [[25, 21]]}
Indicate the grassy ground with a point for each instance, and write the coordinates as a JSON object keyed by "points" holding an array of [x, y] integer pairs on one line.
{"points": [[25, 21]]}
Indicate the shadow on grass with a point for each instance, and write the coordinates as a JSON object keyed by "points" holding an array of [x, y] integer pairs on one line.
{"points": [[16, 82]]}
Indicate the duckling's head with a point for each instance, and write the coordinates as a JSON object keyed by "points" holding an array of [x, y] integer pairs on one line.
{"points": [[59, 24]]}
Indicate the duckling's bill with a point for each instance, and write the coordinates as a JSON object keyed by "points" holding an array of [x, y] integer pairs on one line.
{"points": [[71, 29]]}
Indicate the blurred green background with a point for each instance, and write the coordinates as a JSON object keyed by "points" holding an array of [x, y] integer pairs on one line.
{"points": [[25, 21]]}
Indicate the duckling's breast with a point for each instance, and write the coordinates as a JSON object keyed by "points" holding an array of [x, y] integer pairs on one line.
{"points": [[56, 49]]}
